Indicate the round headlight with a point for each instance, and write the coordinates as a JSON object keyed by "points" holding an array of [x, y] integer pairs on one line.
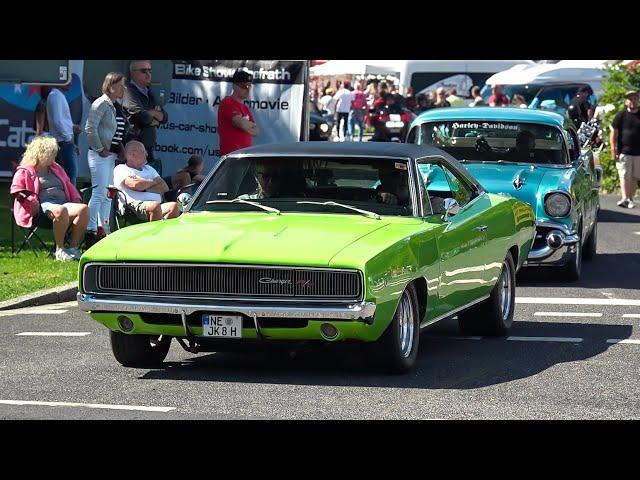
{"points": [[324, 127], [557, 205]]}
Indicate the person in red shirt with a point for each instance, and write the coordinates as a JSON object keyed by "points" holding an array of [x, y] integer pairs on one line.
{"points": [[498, 99], [236, 124]]}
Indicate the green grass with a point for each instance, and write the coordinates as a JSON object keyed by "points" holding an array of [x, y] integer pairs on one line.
{"points": [[25, 273]]}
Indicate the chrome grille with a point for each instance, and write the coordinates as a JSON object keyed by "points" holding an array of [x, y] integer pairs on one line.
{"points": [[226, 280]]}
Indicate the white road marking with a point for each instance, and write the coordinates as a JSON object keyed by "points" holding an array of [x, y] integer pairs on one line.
{"points": [[88, 405], [455, 338], [631, 315], [8, 313], [54, 334], [578, 301], [623, 340], [566, 314], [546, 339]]}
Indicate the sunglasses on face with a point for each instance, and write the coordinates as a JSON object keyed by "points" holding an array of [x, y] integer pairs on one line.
{"points": [[145, 70]]}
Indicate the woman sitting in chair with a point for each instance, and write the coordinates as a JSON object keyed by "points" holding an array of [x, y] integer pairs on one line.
{"points": [[41, 185]]}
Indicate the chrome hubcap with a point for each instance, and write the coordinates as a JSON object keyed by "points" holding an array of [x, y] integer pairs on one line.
{"points": [[406, 325], [505, 290]]}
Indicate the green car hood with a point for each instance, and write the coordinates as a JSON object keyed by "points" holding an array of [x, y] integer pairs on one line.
{"points": [[246, 237], [503, 178]]}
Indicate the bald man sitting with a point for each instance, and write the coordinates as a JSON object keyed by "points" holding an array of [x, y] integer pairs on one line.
{"points": [[142, 185]]}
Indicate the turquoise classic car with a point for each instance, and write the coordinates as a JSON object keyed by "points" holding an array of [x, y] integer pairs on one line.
{"points": [[531, 155], [313, 242]]}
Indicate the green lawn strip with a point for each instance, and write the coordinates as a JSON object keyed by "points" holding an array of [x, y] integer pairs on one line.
{"points": [[25, 273]]}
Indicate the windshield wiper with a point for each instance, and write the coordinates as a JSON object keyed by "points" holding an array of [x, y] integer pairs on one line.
{"points": [[366, 213], [246, 202]]}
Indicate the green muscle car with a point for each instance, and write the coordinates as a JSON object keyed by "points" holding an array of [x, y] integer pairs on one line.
{"points": [[532, 155], [310, 241]]}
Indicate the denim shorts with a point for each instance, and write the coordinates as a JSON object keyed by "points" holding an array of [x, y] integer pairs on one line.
{"points": [[46, 206]]}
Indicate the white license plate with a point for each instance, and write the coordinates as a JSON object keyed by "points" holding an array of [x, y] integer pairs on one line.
{"points": [[222, 326], [394, 117]]}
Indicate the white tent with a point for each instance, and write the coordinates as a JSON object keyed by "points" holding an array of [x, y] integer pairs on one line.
{"points": [[352, 67], [568, 71]]}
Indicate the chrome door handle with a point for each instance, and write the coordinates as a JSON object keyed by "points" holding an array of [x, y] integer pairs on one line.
{"points": [[481, 228]]}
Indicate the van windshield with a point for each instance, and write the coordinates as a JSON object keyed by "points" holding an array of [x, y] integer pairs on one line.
{"points": [[493, 141]]}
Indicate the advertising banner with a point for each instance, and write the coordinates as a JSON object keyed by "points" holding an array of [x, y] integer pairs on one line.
{"points": [[198, 87], [276, 100]]}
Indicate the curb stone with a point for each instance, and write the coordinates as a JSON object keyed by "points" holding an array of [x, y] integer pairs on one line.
{"points": [[62, 293]]}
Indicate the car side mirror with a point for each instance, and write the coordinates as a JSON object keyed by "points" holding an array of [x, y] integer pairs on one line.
{"points": [[183, 199], [451, 208]]}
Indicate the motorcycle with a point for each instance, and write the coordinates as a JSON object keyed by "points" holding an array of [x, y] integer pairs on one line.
{"points": [[391, 123]]}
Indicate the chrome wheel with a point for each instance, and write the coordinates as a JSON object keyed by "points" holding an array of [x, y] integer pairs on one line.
{"points": [[405, 318], [505, 291]]}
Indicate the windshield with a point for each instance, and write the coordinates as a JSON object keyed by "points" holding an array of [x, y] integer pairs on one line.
{"points": [[555, 98], [291, 184], [493, 141]]}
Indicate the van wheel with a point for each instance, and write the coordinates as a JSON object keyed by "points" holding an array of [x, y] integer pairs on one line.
{"points": [[494, 316], [139, 351], [397, 349]]}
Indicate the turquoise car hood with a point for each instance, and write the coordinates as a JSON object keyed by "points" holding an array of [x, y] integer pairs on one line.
{"points": [[519, 181]]}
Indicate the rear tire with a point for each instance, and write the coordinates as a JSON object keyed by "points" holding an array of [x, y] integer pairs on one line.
{"points": [[139, 351], [494, 316], [591, 244], [396, 350]]}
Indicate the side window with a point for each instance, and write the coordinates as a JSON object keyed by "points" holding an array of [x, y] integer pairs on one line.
{"points": [[438, 184], [460, 191]]}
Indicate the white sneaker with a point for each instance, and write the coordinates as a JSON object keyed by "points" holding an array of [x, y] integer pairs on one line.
{"points": [[624, 203], [630, 204], [63, 256], [75, 253]]}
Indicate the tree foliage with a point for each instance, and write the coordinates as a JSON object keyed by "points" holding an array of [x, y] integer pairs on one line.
{"points": [[620, 79]]}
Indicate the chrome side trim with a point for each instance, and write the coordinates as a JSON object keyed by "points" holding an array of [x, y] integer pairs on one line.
{"points": [[353, 311], [453, 312]]}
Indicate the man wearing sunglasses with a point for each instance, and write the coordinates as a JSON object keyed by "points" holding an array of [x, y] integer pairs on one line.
{"points": [[141, 109], [236, 124]]}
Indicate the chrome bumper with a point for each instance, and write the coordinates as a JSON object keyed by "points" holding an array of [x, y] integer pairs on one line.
{"points": [[565, 240], [354, 311]]}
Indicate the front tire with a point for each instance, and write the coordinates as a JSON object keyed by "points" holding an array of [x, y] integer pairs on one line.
{"points": [[396, 350], [494, 316], [591, 244], [573, 269], [139, 351]]}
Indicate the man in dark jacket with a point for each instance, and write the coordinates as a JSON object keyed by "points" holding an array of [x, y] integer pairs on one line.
{"points": [[142, 111]]}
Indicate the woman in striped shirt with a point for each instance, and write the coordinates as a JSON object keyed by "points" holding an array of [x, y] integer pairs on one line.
{"points": [[105, 130]]}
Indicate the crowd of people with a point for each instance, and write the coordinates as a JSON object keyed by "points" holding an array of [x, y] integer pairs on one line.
{"points": [[353, 105], [121, 131]]}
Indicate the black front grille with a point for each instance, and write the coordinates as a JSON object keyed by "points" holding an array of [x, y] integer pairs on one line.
{"points": [[226, 280]]}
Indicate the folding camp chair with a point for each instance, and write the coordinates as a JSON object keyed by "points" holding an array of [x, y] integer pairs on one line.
{"points": [[40, 221]]}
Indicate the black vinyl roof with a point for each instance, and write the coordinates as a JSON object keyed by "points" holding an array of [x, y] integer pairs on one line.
{"points": [[373, 149]]}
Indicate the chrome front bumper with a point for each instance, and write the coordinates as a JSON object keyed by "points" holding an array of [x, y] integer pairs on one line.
{"points": [[563, 240], [354, 311]]}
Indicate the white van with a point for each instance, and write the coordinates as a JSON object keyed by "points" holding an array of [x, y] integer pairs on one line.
{"points": [[427, 75], [557, 82]]}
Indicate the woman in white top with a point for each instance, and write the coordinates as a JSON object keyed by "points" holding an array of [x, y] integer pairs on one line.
{"points": [[105, 131]]}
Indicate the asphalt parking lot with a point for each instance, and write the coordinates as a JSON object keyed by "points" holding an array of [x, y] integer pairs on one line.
{"points": [[574, 353]]}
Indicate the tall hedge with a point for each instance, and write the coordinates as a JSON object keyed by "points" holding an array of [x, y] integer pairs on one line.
{"points": [[619, 80]]}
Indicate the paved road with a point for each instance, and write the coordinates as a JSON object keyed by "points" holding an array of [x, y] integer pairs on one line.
{"points": [[554, 366]]}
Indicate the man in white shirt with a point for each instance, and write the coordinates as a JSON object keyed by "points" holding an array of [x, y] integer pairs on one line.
{"points": [[61, 127], [142, 186], [343, 100]]}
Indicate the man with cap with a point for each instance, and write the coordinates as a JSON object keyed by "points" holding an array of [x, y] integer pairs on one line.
{"points": [[625, 147], [236, 123]]}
